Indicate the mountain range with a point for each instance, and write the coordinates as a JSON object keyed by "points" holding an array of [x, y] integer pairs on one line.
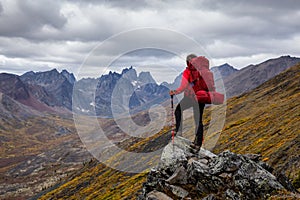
{"points": [[43, 91], [36, 110], [124, 92], [252, 76], [51, 87]]}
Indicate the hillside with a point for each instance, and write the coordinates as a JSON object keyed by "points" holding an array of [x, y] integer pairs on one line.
{"points": [[266, 121], [252, 125], [252, 76], [37, 149], [12, 86]]}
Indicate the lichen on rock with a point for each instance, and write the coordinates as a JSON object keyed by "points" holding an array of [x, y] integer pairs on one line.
{"points": [[182, 174]]}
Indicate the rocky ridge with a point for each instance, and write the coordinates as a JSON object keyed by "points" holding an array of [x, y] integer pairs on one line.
{"points": [[223, 71], [184, 175], [250, 77], [51, 87]]}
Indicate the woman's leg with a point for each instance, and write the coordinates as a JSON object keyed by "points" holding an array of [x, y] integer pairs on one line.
{"points": [[178, 118], [184, 104], [198, 114]]}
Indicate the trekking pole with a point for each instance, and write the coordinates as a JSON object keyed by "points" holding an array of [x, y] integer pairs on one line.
{"points": [[172, 110]]}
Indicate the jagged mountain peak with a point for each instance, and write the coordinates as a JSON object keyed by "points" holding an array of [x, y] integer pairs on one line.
{"points": [[225, 70], [225, 65], [132, 90], [129, 73], [146, 77], [69, 76], [41, 77], [110, 74], [64, 71], [51, 87], [30, 73], [125, 70], [53, 73]]}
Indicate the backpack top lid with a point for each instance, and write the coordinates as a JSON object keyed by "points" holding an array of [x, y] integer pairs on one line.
{"points": [[200, 63]]}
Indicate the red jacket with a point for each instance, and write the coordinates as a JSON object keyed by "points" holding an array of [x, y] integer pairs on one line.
{"points": [[194, 79]]}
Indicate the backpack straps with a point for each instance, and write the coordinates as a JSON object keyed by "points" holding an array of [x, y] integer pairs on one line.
{"points": [[193, 81]]}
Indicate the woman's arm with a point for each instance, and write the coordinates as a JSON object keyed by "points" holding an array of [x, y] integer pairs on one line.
{"points": [[184, 82]]}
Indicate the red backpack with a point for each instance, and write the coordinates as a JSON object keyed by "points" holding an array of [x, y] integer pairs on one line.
{"points": [[202, 81]]}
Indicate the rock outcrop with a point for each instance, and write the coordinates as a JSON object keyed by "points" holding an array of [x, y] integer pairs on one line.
{"points": [[182, 174]]}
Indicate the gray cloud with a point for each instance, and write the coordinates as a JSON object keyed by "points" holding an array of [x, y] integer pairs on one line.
{"points": [[134, 4], [61, 33], [24, 18], [1, 8], [124, 4], [254, 7], [43, 12], [273, 18]]}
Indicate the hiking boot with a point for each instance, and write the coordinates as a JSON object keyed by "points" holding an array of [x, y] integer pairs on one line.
{"points": [[179, 133], [197, 148], [193, 145]]}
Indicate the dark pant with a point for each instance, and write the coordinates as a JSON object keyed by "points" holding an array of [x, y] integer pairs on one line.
{"points": [[198, 109]]}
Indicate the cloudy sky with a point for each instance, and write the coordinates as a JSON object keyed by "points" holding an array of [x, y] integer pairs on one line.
{"points": [[90, 37]]}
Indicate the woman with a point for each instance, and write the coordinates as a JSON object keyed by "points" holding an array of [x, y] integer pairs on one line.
{"points": [[192, 81]]}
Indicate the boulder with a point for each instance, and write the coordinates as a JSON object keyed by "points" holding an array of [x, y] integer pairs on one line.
{"points": [[155, 195], [182, 174]]}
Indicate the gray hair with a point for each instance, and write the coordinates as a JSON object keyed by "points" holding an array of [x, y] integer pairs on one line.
{"points": [[190, 57]]}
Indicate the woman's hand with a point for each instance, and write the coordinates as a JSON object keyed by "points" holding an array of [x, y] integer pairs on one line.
{"points": [[172, 92]]}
